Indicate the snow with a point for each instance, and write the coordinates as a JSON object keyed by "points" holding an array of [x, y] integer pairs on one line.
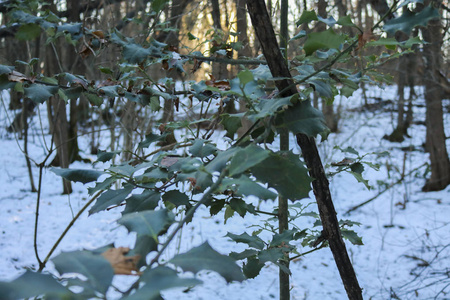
{"points": [[401, 229]]}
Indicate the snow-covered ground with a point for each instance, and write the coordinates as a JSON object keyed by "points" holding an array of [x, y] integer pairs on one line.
{"points": [[405, 232]]}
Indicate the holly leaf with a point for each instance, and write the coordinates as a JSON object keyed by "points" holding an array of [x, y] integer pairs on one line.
{"points": [[147, 200], [408, 20], [40, 93], [150, 222], [269, 107], [33, 284], [251, 240], [143, 246], [252, 267], [327, 39], [134, 53], [6, 69], [158, 279], [221, 160], [302, 118], [352, 237], [244, 254], [239, 206], [151, 138], [231, 123], [28, 32], [104, 156], [94, 267], [246, 158], [111, 197], [272, 255], [306, 17], [204, 257], [245, 77], [286, 173], [346, 21], [78, 175], [201, 148], [175, 197], [244, 186]]}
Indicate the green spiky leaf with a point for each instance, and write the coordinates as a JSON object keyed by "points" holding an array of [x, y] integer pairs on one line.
{"points": [[158, 279], [94, 267], [204, 257], [149, 222], [78, 175], [303, 118], [408, 20], [40, 93], [286, 173], [251, 240], [327, 39], [32, 284], [246, 158], [111, 197]]}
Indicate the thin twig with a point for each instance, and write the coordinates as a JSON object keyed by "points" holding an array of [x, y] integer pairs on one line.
{"points": [[383, 191], [42, 265]]}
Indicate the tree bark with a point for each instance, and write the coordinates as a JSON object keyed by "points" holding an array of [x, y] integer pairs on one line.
{"points": [[435, 137], [219, 70], [331, 232]]}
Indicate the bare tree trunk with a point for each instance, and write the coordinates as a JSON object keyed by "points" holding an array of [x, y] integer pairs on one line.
{"points": [[57, 114], [435, 138], [25, 111], [283, 208], [241, 24], [59, 129], [219, 70], [129, 124], [327, 108], [171, 38], [331, 231]]}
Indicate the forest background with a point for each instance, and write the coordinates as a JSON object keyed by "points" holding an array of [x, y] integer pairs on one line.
{"points": [[141, 72]]}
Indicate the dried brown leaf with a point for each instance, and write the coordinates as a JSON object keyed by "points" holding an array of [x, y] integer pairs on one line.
{"points": [[122, 265], [17, 77]]}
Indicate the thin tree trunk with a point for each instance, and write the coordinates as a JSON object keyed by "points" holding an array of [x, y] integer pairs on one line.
{"points": [[283, 210], [219, 70], [58, 118], [331, 232], [245, 51], [435, 137], [24, 120]]}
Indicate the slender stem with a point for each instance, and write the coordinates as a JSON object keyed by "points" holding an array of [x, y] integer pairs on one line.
{"points": [[308, 252], [42, 265], [188, 216], [36, 220], [38, 202]]}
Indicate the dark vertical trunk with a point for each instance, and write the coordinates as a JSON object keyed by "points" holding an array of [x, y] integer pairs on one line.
{"points": [[73, 6], [435, 137], [331, 232], [171, 38], [402, 78], [59, 129], [219, 70], [245, 51], [57, 112], [283, 209]]}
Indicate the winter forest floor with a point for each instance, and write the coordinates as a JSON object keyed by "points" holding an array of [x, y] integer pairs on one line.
{"points": [[406, 233]]}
